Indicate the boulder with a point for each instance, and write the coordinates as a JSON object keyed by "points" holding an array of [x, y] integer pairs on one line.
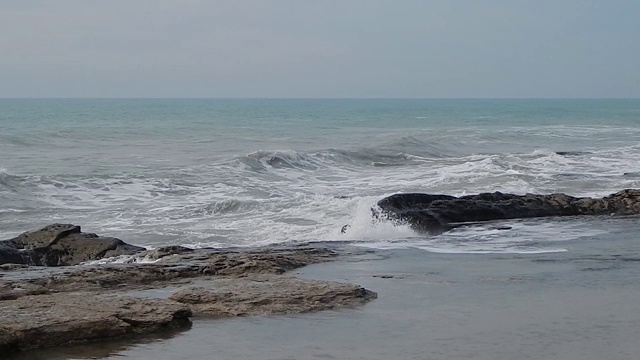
{"points": [[61, 244], [438, 213]]}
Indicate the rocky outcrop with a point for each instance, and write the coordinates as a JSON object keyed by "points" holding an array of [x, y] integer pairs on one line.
{"points": [[61, 244], [50, 306], [437, 213]]}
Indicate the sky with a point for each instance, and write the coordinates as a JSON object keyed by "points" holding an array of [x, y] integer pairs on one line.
{"points": [[320, 48]]}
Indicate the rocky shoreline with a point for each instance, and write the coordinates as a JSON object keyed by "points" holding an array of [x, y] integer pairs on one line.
{"points": [[54, 306], [51, 296]]}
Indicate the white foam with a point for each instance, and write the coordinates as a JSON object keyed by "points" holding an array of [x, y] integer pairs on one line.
{"points": [[225, 203], [12, 211], [122, 259], [532, 236]]}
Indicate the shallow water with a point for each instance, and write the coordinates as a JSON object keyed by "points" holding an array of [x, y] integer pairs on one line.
{"points": [[581, 304]]}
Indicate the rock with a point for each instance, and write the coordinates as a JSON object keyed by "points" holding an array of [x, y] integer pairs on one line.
{"points": [[61, 244], [438, 213], [390, 276], [41, 307], [262, 295], [502, 228], [59, 319], [12, 266], [572, 153], [11, 253], [174, 269]]}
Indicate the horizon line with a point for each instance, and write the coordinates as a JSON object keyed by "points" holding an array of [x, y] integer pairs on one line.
{"points": [[314, 98]]}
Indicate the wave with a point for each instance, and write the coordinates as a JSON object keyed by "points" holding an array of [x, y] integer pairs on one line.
{"points": [[317, 160], [278, 159], [228, 206], [277, 196]]}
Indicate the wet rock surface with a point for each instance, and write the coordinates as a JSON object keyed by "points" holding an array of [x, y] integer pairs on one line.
{"points": [[61, 245], [57, 319], [52, 306], [259, 295], [437, 213]]}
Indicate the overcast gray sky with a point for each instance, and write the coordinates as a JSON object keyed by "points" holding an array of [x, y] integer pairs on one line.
{"points": [[319, 48]]}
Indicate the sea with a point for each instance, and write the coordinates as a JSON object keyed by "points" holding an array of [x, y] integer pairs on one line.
{"points": [[252, 172]]}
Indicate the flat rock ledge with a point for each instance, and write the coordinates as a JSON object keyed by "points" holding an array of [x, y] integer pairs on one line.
{"points": [[262, 295], [35, 321], [433, 213], [55, 306]]}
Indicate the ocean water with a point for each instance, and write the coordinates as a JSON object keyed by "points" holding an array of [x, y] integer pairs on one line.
{"points": [[225, 172]]}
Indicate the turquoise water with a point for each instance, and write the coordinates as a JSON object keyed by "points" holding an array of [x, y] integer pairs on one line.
{"points": [[222, 172]]}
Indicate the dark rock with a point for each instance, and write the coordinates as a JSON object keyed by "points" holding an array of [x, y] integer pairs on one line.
{"points": [[61, 244], [502, 228], [438, 213], [572, 153], [11, 253], [389, 276]]}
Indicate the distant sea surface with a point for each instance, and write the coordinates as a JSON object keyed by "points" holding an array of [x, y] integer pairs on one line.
{"points": [[223, 172]]}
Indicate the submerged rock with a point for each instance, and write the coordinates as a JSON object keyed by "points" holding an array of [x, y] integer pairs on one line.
{"points": [[438, 213], [60, 245]]}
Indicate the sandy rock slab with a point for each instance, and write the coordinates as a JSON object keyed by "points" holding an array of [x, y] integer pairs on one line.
{"points": [[266, 295], [36, 321]]}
